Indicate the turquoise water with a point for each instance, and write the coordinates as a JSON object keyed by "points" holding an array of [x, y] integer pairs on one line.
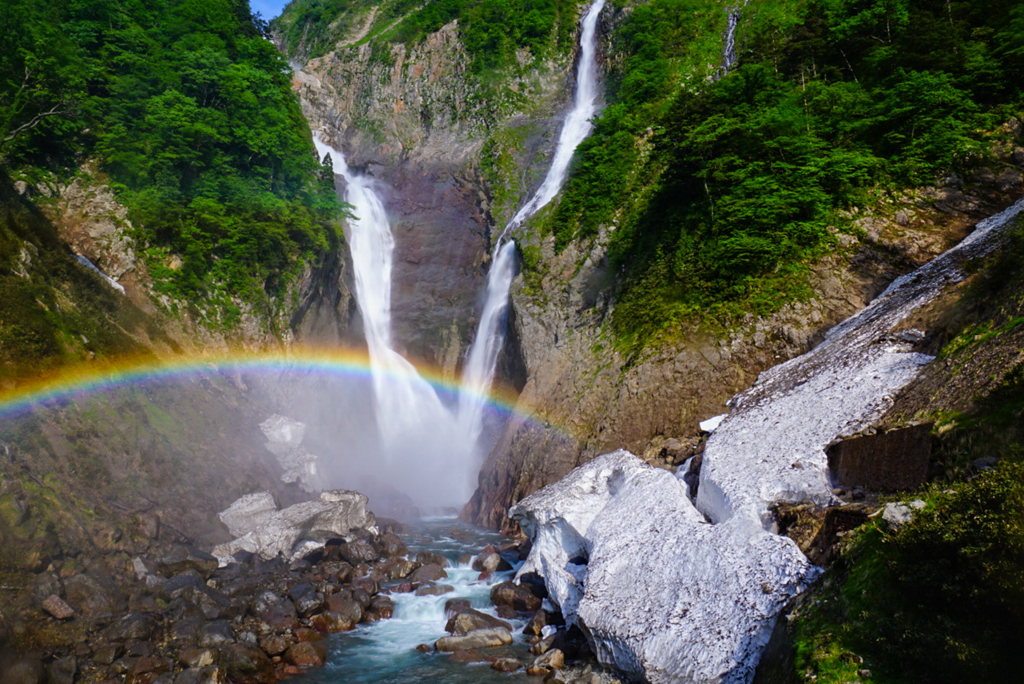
{"points": [[385, 652]]}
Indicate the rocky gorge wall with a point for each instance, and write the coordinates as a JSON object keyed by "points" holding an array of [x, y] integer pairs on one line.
{"points": [[456, 166]]}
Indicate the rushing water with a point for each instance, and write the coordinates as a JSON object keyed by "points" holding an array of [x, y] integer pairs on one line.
{"points": [[490, 337], [425, 449], [385, 652]]}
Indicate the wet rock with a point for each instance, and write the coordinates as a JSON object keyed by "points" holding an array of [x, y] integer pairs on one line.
{"points": [[455, 606], [430, 572], [542, 619], [506, 665], [470, 620], [94, 593], [62, 671], [274, 644], [274, 610], [307, 600], [481, 638], [216, 633], [467, 656], [434, 589], [306, 654], [132, 626], [400, 568], [553, 659], [506, 612], [146, 670], [362, 597], [181, 558], [339, 571], [174, 586], [359, 551], [491, 562], [391, 546], [515, 596], [57, 607], [210, 674], [247, 665], [106, 655], [346, 605], [432, 558], [330, 622], [381, 608], [367, 584], [198, 657], [187, 628], [306, 634]]}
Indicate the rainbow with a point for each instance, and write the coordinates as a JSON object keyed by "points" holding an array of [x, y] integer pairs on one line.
{"points": [[84, 379]]}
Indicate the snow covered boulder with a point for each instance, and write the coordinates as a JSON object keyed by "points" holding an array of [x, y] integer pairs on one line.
{"points": [[293, 531], [660, 592], [284, 440]]}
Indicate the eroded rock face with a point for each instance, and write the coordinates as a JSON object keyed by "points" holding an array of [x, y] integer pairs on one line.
{"points": [[293, 531], [660, 593]]}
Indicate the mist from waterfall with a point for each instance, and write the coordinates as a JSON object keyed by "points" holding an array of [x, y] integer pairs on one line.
{"points": [[427, 448], [490, 333], [425, 451]]}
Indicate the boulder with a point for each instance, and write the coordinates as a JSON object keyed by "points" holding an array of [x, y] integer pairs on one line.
{"points": [[491, 562], [210, 674], [432, 558], [399, 568], [899, 514], [430, 572], [346, 605], [358, 551], [330, 622], [307, 600], [542, 619], [181, 558], [94, 593], [553, 659], [391, 546], [57, 607], [455, 606], [62, 670], [506, 665], [481, 638], [515, 596], [274, 644], [198, 657], [381, 608], [247, 665], [216, 633], [132, 626], [306, 654], [335, 514], [470, 620]]}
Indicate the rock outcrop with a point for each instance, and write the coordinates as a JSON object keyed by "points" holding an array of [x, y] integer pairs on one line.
{"points": [[659, 592], [259, 527]]}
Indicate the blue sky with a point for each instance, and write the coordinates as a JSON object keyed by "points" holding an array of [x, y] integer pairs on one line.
{"points": [[268, 8]]}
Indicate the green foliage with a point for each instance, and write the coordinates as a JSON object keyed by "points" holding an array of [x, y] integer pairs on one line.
{"points": [[492, 30], [190, 111], [720, 189]]}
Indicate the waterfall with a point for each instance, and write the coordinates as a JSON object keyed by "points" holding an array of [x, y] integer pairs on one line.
{"points": [[425, 444], [422, 444], [729, 52], [489, 338], [577, 124]]}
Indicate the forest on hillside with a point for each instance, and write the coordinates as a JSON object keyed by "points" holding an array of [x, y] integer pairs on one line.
{"points": [[187, 108]]}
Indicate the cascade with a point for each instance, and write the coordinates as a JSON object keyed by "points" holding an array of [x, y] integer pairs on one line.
{"points": [[487, 342], [729, 52], [422, 444], [422, 440]]}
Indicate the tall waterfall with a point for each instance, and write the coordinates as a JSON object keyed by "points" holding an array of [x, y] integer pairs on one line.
{"points": [[729, 51], [423, 446], [483, 355], [424, 443]]}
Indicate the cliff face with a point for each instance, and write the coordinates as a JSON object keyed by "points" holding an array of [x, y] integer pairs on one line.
{"points": [[413, 118], [457, 160]]}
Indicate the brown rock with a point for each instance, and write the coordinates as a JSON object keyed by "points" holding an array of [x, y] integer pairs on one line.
{"points": [[304, 634], [247, 665], [516, 596], [506, 665], [434, 589], [481, 638], [306, 654], [469, 620], [330, 622], [432, 558], [55, 606], [275, 644], [430, 572], [506, 612]]}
